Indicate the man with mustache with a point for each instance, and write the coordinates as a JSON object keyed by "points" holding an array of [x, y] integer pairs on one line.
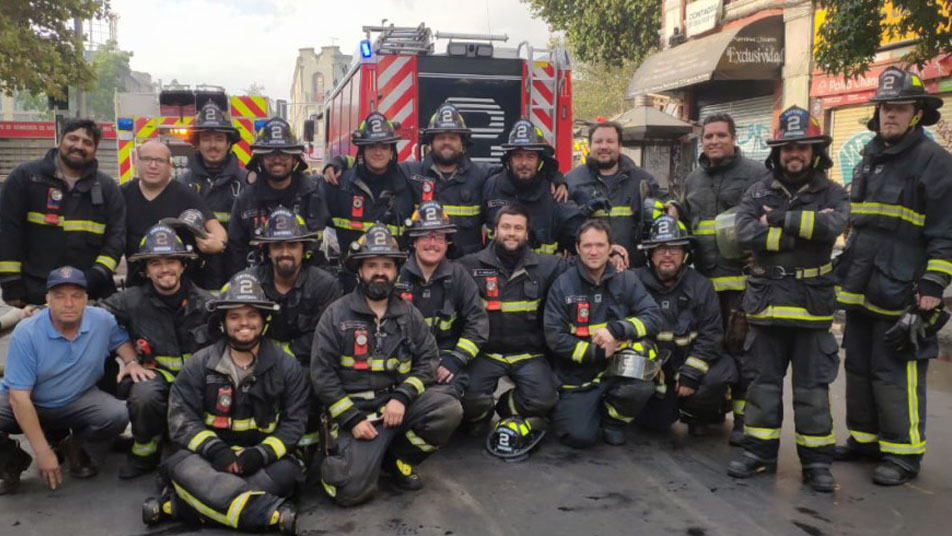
{"points": [[372, 368], [790, 221], [61, 210], [897, 262], [282, 182], [166, 320], [716, 187]]}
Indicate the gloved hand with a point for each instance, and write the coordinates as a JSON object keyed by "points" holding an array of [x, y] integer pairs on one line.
{"points": [[595, 204], [906, 333], [737, 328], [776, 217], [96, 280], [250, 461], [452, 361], [222, 457], [14, 292]]}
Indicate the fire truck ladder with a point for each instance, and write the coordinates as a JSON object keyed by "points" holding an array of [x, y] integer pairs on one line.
{"points": [[401, 39], [545, 78]]}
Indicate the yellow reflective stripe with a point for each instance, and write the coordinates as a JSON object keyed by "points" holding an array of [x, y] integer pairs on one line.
{"points": [[852, 298], [511, 358], [276, 445], [578, 354], [729, 282], [683, 340], [773, 238], [329, 489], [173, 363], [461, 210], [309, 439], [806, 224], [591, 327], [242, 425], [697, 363], [352, 225], [614, 413], [939, 265], [765, 434], [889, 211], [614, 212], [912, 400], [145, 449], [738, 406], [706, 227], [782, 312], [379, 365], [40, 219], [200, 438], [10, 267], [639, 326], [107, 261], [863, 437], [467, 346], [199, 506], [516, 306], [808, 273], [223, 217], [237, 505], [902, 448], [418, 442], [342, 405], [165, 374], [416, 383], [815, 441], [67, 225], [546, 248]]}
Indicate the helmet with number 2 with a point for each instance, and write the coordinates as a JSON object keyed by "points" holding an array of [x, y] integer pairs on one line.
{"points": [[162, 241], [798, 126], [375, 128], [514, 437], [275, 137], [283, 226], [376, 242], [901, 87], [668, 231], [211, 118], [243, 289], [428, 218], [446, 119]]}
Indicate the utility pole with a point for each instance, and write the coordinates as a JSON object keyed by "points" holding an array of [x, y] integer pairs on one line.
{"points": [[80, 94]]}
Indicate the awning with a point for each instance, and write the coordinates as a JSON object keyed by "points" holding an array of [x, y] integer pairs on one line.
{"points": [[646, 122], [751, 52]]}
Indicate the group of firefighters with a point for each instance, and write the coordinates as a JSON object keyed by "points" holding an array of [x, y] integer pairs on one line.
{"points": [[284, 326]]}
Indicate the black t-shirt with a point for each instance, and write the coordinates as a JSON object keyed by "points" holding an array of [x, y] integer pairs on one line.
{"points": [[609, 180], [142, 214]]}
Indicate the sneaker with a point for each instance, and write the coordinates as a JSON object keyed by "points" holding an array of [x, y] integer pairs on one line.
{"points": [[80, 464], [613, 436], [890, 473], [820, 479], [747, 466], [18, 460]]}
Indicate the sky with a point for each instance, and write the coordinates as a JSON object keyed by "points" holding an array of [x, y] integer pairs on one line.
{"points": [[235, 43]]}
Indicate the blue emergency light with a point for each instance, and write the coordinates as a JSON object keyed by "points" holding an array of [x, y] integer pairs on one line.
{"points": [[259, 124], [365, 50], [124, 123]]}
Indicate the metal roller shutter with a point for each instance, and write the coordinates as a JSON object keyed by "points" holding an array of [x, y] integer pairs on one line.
{"points": [[753, 118]]}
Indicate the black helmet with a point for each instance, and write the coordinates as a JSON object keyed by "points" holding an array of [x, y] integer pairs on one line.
{"points": [[376, 242], [896, 85], [429, 217], [513, 437], [242, 289], [667, 230], [276, 135], [798, 126], [525, 135], [283, 226], [161, 241], [191, 220], [446, 118], [375, 128], [213, 118]]}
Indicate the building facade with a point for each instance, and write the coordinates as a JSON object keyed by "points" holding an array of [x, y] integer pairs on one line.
{"points": [[315, 73]]}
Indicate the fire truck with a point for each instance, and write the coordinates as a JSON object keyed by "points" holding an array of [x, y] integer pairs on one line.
{"points": [[400, 75], [140, 119]]}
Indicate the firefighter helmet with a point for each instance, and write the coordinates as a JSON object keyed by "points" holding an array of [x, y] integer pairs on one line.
{"points": [[161, 241], [283, 225], [429, 217], [446, 118], [525, 135], [211, 118], [191, 220], [514, 437], [242, 289], [899, 86], [798, 126], [276, 136], [639, 361], [667, 230], [375, 128], [725, 235], [376, 242]]}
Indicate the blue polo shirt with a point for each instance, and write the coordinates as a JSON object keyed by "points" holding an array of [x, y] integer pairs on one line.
{"points": [[58, 370]]}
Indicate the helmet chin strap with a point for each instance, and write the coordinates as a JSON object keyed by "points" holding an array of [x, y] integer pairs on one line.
{"points": [[243, 347]]}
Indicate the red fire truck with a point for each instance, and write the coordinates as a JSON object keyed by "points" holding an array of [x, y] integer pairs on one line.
{"points": [[400, 75]]}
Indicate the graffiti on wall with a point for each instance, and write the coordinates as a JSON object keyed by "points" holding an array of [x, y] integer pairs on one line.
{"points": [[751, 138]]}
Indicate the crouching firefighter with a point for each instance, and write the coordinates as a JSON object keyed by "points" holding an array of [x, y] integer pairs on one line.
{"points": [[236, 411], [167, 321], [372, 366], [790, 221], [697, 373], [591, 312]]}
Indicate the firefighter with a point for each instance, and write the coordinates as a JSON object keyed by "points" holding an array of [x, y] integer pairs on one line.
{"points": [[790, 221], [616, 188], [513, 282], [526, 178], [898, 259], [445, 293], [371, 367], [217, 175], [697, 373], [593, 310], [715, 188], [282, 182], [61, 210], [167, 321], [236, 410]]}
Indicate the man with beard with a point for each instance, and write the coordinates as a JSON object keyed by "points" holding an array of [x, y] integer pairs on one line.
{"points": [[897, 261], [621, 186], [790, 221], [591, 312], [236, 410], [61, 210], [713, 188], [445, 293], [216, 174], [282, 182], [526, 178], [167, 321], [372, 368], [152, 196], [513, 282], [697, 373]]}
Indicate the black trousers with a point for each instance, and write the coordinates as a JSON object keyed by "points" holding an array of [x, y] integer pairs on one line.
{"points": [[534, 394], [730, 301], [148, 404], [612, 403]]}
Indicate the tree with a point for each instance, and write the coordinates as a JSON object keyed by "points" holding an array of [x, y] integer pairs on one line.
{"points": [[609, 32], [39, 52], [853, 29], [111, 68], [254, 90]]}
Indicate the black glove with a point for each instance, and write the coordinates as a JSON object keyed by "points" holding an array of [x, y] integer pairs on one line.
{"points": [[13, 290], [452, 361], [96, 280], [688, 381], [776, 217], [595, 204], [221, 457], [906, 333], [250, 461]]}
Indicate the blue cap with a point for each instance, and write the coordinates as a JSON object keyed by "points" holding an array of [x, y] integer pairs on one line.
{"points": [[67, 275]]}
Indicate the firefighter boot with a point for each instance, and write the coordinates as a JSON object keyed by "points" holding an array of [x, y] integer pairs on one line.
{"points": [[284, 518], [136, 466], [402, 474], [737, 432], [157, 509], [747, 466], [613, 436], [819, 478], [13, 461], [852, 451], [890, 473]]}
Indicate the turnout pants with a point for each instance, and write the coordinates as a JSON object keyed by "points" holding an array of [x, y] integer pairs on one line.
{"points": [[813, 356], [730, 307], [706, 406], [611, 403], [246, 502], [885, 391], [352, 467], [534, 394], [148, 404]]}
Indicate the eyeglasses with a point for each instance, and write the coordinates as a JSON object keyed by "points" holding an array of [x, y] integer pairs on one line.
{"points": [[150, 160], [438, 238]]}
